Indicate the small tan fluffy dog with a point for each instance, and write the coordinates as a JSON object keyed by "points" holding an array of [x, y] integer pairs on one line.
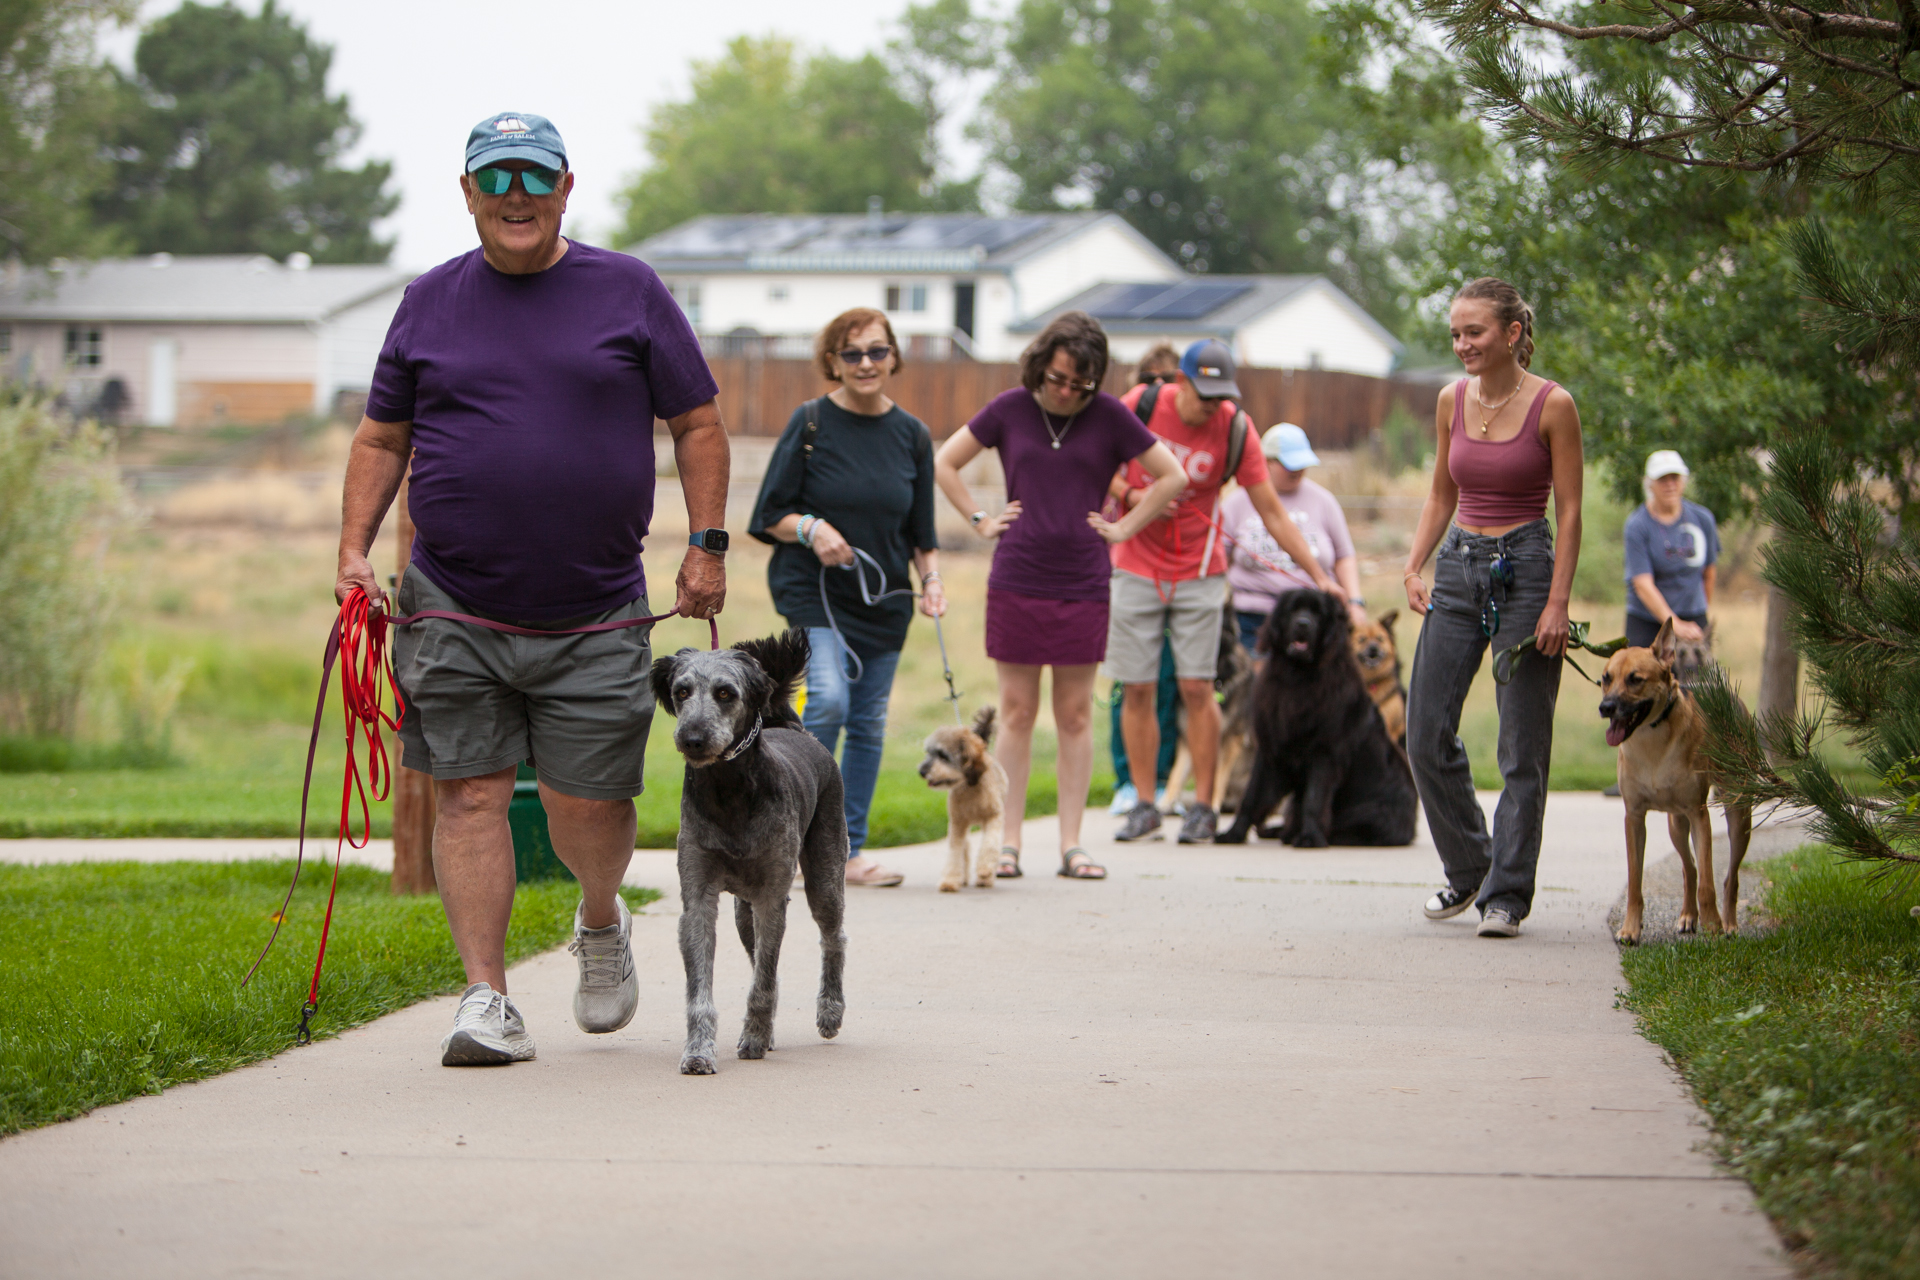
{"points": [[957, 758], [1660, 734]]}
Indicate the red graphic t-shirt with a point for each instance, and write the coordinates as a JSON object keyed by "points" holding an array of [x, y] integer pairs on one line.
{"points": [[1184, 544]]}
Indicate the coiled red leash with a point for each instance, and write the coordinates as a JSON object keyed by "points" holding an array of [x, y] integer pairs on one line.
{"points": [[358, 641]]}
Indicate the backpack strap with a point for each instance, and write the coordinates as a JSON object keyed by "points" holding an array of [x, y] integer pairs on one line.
{"points": [[1236, 442], [1143, 407]]}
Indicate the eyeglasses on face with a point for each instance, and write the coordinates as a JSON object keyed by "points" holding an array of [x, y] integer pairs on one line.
{"points": [[1061, 382], [852, 356], [536, 181]]}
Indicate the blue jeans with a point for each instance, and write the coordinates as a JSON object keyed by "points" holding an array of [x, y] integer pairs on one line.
{"points": [[836, 702]]}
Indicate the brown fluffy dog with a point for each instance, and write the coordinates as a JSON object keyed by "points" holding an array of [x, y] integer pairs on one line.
{"points": [[1660, 733], [1379, 659], [958, 758]]}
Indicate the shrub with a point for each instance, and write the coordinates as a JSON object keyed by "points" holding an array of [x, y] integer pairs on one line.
{"points": [[59, 502]]}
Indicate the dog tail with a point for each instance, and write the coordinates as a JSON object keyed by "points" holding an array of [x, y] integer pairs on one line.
{"points": [[784, 659], [983, 724]]}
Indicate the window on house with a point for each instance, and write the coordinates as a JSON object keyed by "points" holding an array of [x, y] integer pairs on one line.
{"points": [[83, 346], [776, 293], [688, 296], [893, 297], [917, 298]]}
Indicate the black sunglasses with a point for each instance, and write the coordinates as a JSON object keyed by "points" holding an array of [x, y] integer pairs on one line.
{"points": [[852, 356]]}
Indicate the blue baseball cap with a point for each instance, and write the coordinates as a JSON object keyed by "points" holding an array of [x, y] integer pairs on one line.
{"points": [[1209, 367], [515, 135], [1287, 445]]}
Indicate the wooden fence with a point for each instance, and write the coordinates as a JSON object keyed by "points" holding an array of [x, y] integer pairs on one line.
{"points": [[1338, 410]]}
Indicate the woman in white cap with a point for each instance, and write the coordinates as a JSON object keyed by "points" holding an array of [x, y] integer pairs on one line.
{"points": [[1258, 571], [1671, 546]]}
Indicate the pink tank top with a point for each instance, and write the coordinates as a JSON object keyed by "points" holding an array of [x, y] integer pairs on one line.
{"points": [[1501, 482]]}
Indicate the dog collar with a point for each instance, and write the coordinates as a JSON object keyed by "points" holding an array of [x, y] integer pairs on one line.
{"points": [[1678, 693], [745, 742]]}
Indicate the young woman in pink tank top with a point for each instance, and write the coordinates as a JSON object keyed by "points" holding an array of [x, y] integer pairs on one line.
{"points": [[1507, 439]]}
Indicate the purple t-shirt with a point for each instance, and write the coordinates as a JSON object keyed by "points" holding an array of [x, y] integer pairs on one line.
{"points": [[532, 400], [1050, 551]]}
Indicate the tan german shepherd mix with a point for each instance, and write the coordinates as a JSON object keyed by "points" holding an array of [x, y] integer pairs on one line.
{"points": [[1660, 733]]}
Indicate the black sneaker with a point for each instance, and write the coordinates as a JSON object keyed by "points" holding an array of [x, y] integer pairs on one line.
{"points": [[1197, 826], [1448, 903], [1141, 824]]}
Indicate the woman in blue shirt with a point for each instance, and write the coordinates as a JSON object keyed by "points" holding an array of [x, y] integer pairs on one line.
{"points": [[1671, 547]]}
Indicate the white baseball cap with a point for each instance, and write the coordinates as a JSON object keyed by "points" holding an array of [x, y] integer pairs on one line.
{"points": [[1665, 462]]}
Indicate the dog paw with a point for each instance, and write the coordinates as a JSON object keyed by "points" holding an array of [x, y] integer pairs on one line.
{"points": [[1686, 924], [1309, 840], [949, 886], [1232, 835], [1710, 925], [1627, 937], [697, 1064], [983, 881], [829, 1017], [752, 1048]]}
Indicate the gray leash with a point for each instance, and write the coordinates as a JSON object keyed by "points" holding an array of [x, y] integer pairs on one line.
{"points": [[868, 596]]}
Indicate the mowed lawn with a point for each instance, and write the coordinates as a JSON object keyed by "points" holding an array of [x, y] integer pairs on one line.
{"points": [[118, 979]]}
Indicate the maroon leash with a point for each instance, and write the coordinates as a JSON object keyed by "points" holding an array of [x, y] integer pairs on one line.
{"points": [[358, 642]]}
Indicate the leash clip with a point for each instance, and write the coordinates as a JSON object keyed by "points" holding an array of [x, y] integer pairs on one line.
{"points": [[304, 1035]]}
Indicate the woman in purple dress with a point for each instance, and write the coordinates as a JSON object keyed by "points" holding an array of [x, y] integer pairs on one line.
{"points": [[1060, 439]]}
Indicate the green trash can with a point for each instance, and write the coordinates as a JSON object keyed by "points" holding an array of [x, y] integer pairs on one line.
{"points": [[533, 855]]}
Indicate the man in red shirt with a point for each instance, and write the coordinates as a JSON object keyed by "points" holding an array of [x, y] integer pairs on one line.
{"points": [[1171, 576]]}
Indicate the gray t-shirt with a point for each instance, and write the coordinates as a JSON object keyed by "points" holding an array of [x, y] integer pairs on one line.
{"points": [[1675, 554]]}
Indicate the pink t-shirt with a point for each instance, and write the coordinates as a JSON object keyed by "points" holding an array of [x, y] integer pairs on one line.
{"points": [[1318, 515]]}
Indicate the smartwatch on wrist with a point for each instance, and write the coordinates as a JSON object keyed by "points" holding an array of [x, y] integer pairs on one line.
{"points": [[976, 518], [710, 540]]}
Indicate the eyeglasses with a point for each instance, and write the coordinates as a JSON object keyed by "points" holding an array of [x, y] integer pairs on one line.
{"points": [[852, 356], [536, 181], [1062, 382]]}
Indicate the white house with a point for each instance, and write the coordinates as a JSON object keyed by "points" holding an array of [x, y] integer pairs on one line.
{"points": [[1275, 322], [192, 341], [946, 280]]}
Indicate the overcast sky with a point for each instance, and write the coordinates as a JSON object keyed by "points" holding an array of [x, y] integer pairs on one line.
{"points": [[419, 76]]}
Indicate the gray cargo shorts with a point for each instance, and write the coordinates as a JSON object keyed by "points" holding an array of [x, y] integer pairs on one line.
{"points": [[478, 701], [1143, 611]]}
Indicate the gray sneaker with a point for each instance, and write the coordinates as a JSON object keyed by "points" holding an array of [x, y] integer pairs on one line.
{"points": [[1198, 825], [487, 1031], [609, 990], [1143, 823], [1498, 922]]}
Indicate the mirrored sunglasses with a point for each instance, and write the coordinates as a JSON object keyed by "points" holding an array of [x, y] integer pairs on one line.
{"points": [[851, 356], [497, 182], [1062, 382]]}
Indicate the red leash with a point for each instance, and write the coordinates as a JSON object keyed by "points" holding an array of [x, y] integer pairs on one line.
{"points": [[359, 642]]}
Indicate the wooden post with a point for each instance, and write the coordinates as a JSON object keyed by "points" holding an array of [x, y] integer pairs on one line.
{"points": [[413, 810]]}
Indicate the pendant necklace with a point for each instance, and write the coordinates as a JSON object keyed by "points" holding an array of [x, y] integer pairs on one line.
{"points": [[1485, 421], [1046, 420]]}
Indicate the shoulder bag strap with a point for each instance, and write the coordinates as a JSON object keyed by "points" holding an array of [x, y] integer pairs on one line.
{"points": [[1143, 407]]}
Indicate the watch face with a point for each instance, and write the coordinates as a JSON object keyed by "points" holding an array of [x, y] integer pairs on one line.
{"points": [[713, 540]]}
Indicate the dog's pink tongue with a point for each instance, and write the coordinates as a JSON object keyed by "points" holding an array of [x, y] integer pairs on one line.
{"points": [[1616, 734]]}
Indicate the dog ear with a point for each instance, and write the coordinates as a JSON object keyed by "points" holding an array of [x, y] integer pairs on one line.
{"points": [[1663, 643], [1387, 619], [783, 660], [983, 724], [663, 681], [974, 764]]}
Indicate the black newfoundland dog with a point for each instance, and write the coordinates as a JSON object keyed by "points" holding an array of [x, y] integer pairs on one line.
{"points": [[1319, 739]]}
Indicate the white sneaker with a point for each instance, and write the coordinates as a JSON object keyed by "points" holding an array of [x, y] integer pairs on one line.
{"points": [[487, 1031], [609, 990], [1124, 798]]}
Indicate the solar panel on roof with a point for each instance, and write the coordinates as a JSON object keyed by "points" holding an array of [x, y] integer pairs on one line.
{"points": [[1188, 300]]}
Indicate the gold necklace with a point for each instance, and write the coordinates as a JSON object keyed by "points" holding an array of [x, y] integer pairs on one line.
{"points": [[1485, 421]]}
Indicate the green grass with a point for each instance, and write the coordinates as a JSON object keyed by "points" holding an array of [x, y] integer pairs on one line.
{"points": [[1803, 1048], [118, 979]]}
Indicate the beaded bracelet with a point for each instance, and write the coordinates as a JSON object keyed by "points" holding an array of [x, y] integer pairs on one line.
{"points": [[805, 532]]}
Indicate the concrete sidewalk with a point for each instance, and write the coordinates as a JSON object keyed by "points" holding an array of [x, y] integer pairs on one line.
{"points": [[1243, 1062]]}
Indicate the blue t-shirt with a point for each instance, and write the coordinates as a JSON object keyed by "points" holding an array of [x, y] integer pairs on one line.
{"points": [[532, 399], [1675, 554]]}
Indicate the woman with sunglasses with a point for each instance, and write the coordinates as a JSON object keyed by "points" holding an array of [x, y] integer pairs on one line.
{"points": [[853, 472], [1506, 439], [1060, 440]]}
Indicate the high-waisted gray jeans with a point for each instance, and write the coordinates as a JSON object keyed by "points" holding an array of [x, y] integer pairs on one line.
{"points": [[1452, 644]]}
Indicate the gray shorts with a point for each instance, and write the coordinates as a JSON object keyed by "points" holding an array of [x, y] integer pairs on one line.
{"points": [[478, 701], [1141, 613]]}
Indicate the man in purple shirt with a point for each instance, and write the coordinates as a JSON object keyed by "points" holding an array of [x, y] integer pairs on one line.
{"points": [[521, 380]]}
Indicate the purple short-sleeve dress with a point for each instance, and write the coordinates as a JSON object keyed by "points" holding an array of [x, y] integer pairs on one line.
{"points": [[1048, 591]]}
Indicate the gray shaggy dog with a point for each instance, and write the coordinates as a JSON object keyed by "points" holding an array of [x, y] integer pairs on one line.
{"points": [[761, 796]]}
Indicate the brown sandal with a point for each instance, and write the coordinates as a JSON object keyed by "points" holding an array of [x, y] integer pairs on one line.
{"points": [[1076, 864]]}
